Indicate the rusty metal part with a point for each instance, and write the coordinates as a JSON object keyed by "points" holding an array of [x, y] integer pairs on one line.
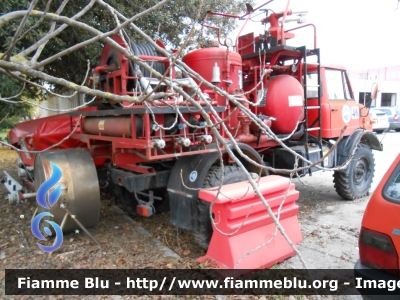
{"points": [[79, 186]]}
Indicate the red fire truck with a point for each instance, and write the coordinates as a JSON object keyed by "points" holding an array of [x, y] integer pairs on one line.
{"points": [[156, 155]]}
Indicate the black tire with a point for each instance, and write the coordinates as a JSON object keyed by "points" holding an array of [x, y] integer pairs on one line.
{"points": [[357, 182], [379, 131], [397, 130], [232, 174]]}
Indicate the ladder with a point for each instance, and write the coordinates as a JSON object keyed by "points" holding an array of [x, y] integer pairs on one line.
{"points": [[316, 125]]}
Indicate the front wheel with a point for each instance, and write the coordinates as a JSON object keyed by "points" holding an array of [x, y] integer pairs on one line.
{"points": [[357, 181]]}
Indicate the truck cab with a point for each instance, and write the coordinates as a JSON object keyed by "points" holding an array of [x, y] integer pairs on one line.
{"points": [[338, 105]]}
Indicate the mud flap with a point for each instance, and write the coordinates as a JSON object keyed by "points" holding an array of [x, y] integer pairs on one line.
{"points": [[182, 200], [183, 189]]}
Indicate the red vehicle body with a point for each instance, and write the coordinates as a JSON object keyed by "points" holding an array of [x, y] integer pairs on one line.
{"points": [[305, 105], [379, 242]]}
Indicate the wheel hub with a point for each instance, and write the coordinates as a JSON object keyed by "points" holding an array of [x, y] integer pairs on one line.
{"points": [[361, 173]]}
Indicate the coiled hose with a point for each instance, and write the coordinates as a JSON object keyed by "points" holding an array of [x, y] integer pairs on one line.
{"points": [[145, 49]]}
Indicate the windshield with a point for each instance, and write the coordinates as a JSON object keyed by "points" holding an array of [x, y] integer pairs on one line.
{"points": [[391, 190], [337, 85]]}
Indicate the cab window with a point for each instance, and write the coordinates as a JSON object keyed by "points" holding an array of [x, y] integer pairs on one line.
{"points": [[337, 85], [391, 190], [312, 85]]}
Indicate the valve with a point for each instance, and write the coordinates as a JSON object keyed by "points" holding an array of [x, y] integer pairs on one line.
{"points": [[13, 198], [183, 141], [206, 138], [159, 143]]}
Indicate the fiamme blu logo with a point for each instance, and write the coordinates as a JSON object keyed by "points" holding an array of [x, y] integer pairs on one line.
{"points": [[47, 199]]}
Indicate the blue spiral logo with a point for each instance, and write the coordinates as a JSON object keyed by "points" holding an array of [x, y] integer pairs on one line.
{"points": [[47, 203]]}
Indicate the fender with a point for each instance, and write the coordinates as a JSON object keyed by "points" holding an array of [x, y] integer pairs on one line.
{"points": [[346, 146], [183, 189]]}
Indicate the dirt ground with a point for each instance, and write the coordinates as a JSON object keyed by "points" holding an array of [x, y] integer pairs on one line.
{"points": [[123, 245]]}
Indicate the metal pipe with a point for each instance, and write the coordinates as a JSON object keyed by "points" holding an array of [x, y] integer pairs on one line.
{"points": [[315, 32], [100, 69], [251, 138], [246, 136], [283, 42], [241, 29], [182, 102], [154, 58], [28, 195], [218, 30]]}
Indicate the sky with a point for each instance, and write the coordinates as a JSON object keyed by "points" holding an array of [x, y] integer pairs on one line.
{"points": [[357, 34]]}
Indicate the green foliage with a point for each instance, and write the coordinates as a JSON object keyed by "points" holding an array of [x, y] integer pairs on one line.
{"points": [[173, 20], [11, 114]]}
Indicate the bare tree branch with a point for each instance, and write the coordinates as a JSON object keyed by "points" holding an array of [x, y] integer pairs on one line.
{"points": [[52, 27], [18, 32], [49, 36]]}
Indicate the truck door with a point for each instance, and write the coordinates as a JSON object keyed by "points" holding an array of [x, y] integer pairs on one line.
{"points": [[343, 108]]}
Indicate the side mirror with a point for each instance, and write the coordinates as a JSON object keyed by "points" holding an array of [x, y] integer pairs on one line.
{"points": [[374, 94]]}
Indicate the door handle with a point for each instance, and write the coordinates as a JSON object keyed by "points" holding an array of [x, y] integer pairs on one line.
{"points": [[334, 109]]}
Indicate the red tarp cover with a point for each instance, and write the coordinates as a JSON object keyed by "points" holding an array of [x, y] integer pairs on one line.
{"points": [[42, 133]]}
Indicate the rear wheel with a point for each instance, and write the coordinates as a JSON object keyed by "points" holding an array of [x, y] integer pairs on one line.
{"points": [[80, 191], [397, 130], [357, 181], [232, 174]]}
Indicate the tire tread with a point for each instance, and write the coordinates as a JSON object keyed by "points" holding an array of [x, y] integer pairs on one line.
{"points": [[343, 182]]}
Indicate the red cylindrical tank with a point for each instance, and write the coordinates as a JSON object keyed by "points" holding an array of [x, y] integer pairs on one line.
{"points": [[203, 60], [284, 101], [110, 126]]}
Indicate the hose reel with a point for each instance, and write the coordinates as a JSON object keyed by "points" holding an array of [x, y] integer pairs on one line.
{"points": [[148, 50]]}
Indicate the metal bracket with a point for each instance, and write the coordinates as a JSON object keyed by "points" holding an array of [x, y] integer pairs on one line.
{"points": [[13, 188], [150, 195], [10, 183]]}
